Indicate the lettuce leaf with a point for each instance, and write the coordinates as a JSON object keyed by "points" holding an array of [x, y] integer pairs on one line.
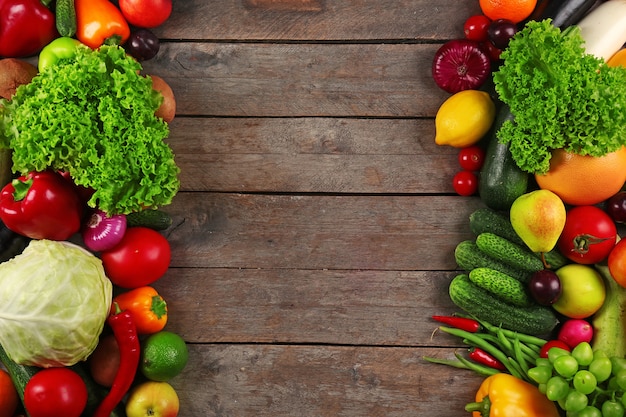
{"points": [[93, 117], [560, 97]]}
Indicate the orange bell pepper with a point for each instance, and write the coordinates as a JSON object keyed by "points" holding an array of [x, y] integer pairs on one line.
{"points": [[99, 22], [147, 307], [503, 395]]}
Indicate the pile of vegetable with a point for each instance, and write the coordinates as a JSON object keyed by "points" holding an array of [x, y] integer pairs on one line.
{"points": [[540, 290], [85, 172]]}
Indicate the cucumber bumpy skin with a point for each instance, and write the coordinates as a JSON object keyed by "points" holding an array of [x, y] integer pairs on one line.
{"points": [[509, 252], [535, 320], [501, 285], [468, 256]]}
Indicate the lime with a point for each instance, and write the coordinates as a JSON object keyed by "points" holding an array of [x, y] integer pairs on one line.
{"points": [[163, 356], [464, 118]]}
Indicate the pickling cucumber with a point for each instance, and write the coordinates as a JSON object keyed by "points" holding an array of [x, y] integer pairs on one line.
{"points": [[501, 285], [154, 219], [508, 252], [535, 320], [468, 256]]}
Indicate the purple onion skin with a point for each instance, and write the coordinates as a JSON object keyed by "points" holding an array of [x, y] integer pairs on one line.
{"points": [[103, 232], [461, 64]]}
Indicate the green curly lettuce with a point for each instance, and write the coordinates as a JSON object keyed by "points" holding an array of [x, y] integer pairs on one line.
{"points": [[93, 116], [560, 97]]}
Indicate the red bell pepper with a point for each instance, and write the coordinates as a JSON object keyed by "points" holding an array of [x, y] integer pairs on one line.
{"points": [[26, 26], [41, 205]]}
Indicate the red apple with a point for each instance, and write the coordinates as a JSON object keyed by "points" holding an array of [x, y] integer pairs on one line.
{"points": [[152, 399]]}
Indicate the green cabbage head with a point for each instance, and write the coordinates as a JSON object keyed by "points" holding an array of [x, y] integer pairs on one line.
{"points": [[54, 301]]}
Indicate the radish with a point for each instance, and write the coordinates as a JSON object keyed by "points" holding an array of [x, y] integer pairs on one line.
{"points": [[575, 331]]}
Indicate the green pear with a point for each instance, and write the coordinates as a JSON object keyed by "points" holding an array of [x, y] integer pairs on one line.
{"points": [[538, 217]]}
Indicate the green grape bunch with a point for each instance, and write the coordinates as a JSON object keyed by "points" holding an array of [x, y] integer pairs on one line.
{"points": [[584, 382]]}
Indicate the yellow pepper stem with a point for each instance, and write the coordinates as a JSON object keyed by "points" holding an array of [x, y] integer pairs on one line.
{"points": [[483, 407]]}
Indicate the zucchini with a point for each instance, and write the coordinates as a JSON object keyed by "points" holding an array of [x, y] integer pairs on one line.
{"points": [[489, 220], [468, 256], [501, 180], [508, 252], [535, 320], [20, 374], [154, 219], [501, 285], [65, 14]]}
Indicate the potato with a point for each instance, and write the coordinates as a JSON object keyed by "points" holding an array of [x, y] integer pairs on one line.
{"points": [[167, 111], [13, 73]]}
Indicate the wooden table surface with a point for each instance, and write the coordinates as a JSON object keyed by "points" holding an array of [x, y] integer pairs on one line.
{"points": [[316, 221]]}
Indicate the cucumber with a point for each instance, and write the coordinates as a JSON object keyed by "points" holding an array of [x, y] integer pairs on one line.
{"points": [[501, 285], [154, 219], [468, 256], [508, 252], [501, 180], [65, 14], [535, 320], [492, 221]]}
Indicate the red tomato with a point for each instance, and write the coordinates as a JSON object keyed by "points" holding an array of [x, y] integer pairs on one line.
{"points": [[142, 256], [588, 236], [465, 183], [475, 28], [55, 392], [617, 263], [543, 353], [146, 13], [471, 158]]}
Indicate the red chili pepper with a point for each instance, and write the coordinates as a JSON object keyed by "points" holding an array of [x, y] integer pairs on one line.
{"points": [[463, 323], [485, 358], [125, 333], [41, 205], [26, 26]]}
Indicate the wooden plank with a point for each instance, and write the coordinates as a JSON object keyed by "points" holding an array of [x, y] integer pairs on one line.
{"points": [[306, 20], [216, 230], [314, 381], [305, 155], [276, 80], [290, 306]]}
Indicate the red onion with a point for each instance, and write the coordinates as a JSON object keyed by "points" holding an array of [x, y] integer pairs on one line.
{"points": [[103, 232], [459, 65]]}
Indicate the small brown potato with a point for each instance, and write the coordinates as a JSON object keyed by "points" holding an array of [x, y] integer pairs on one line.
{"points": [[167, 111], [13, 73]]}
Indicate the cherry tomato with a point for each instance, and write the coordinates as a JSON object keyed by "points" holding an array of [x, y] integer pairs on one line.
{"points": [[55, 392], [142, 256], [491, 51], [589, 235], [543, 353], [471, 158], [475, 28], [465, 183], [146, 13], [617, 263]]}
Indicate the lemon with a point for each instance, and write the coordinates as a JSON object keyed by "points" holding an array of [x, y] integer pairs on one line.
{"points": [[464, 118], [163, 356]]}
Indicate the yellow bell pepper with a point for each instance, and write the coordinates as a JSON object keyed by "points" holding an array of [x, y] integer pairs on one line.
{"points": [[503, 395]]}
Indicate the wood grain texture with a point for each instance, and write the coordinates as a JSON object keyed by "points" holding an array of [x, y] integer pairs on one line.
{"points": [[217, 230], [321, 381], [326, 20], [296, 306], [292, 80], [311, 155]]}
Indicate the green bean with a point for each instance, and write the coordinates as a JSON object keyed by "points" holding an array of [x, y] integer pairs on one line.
{"points": [[463, 363]]}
